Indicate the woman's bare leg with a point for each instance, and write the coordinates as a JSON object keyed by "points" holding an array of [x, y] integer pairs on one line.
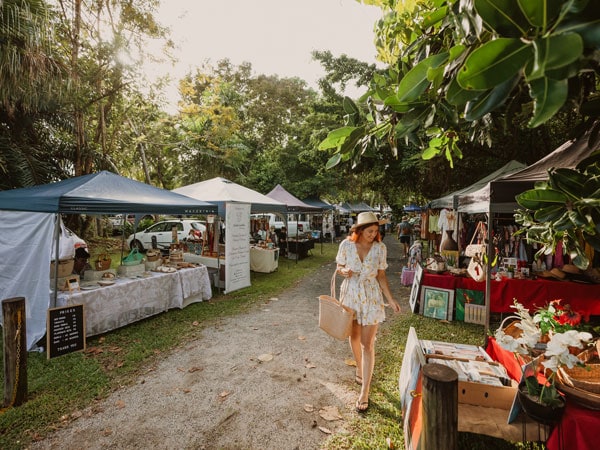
{"points": [[367, 341], [355, 346]]}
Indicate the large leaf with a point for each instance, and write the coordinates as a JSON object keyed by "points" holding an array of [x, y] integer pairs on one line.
{"points": [[549, 96], [457, 96], [490, 100], [589, 31], [569, 181], [336, 137], [435, 16], [540, 13], [394, 102], [554, 52], [502, 16], [540, 198], [550, 213], [414, 83], [494, 63]]}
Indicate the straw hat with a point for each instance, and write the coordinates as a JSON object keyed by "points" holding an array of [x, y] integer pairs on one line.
{"points": [[366, 218]]}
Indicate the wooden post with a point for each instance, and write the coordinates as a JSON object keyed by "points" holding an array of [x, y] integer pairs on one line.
{"points": [[440, 408], [15, 351]]}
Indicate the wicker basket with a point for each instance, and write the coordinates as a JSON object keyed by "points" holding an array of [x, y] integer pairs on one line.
{"points": [[152, 255], [585, 378], [103, 262], [583, 398]]}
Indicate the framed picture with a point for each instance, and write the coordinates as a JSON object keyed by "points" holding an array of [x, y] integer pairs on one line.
{"points": [[467, 296], [437, 303], [414, 292]]}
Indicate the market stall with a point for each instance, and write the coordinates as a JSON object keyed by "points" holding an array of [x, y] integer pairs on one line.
{"points": [[235, 204], [28, 225], [583, 297], [128, 300], [265, 260]]}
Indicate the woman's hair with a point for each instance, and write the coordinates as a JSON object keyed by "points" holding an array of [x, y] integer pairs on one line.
{"points": [[356, 232]]}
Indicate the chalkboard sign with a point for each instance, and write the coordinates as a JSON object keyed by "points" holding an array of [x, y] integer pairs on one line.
{"points": [[65, 332]]}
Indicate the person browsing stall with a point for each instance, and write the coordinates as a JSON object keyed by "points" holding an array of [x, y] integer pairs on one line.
{"points": [[362, 261], [404, 230]]}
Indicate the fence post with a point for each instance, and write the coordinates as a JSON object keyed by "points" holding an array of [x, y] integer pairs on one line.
{"points": [[15, 351], [440, 408]]}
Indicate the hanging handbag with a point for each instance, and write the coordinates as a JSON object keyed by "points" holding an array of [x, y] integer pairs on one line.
{"points": [[334, 318], [476, 249], [477, 269]]}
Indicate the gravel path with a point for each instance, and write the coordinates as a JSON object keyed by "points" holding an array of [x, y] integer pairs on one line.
{"points": [[221, 391]]}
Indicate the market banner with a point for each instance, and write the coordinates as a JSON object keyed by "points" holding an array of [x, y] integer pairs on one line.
{"points": [[237, 246]]}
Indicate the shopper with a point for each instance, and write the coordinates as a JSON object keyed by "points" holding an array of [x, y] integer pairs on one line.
{"points": [[404, 229]]}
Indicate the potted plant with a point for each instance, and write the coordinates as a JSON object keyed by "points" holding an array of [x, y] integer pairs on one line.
{"points": [[546, 342], [565, 208]]}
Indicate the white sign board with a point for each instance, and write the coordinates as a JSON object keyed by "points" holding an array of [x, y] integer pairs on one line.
{"points": [[237, 246]]}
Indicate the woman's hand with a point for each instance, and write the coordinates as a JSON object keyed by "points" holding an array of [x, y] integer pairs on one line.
{"points": [[345, 272], [394, 305]]}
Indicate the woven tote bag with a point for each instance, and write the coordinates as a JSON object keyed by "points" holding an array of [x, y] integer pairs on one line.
{"points": [[334, 318]]}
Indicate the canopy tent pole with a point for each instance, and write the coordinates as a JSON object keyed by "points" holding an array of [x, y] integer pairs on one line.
{"points": [[488, 277], [57, 233]]}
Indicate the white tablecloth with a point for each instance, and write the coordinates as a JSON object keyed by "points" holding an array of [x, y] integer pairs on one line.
{"points": [[208, 261], [129, 300], [264, 259]]}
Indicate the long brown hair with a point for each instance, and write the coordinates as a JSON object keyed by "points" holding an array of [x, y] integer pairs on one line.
{"points": [[357, 231]]}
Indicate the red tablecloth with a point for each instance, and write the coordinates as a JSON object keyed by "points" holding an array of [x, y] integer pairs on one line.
{"points": [[583, 297], [578, 426]]}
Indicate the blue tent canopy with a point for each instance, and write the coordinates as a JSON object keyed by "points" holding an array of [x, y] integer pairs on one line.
{"points": [[318, 203], [101, 193]]}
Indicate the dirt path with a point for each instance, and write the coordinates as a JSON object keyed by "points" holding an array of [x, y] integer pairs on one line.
{"points": [[216, 393]]}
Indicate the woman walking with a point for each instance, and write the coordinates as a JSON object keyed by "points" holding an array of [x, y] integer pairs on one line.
{"points": [[361, 260]]}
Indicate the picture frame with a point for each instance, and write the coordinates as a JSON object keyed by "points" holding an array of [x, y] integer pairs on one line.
{"points": [[465, 296], [414, 292], [73, 284], [436, 303]]}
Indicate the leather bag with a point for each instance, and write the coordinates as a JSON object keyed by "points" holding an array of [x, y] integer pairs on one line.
{"points": [[334, 318], [476, 249], [477, 269]]}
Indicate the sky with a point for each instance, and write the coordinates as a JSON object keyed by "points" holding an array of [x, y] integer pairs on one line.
{"points": [[275, 36]]}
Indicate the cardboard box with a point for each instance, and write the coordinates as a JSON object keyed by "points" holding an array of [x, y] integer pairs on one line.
{"points": [[479, 394]]}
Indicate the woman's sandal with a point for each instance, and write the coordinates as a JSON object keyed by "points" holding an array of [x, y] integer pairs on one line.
{"points": [[361, 407]]}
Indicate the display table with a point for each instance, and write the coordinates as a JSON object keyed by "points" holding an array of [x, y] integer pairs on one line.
{"points": [[299, 247], [208, 261], [578, 425], [582, 297], [264, 260], [131, 299]]}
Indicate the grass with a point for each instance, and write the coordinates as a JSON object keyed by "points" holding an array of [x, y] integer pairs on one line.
{"points": [[58, 389]]}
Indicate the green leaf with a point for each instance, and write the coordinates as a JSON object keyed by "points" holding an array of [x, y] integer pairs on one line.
{"points": [[458, 96], [494, 63], [540, 13], [415, 82], [549, 96], [490, 100], [434, 17], [550, 213], [430, 153], [349, 106], [333, 161], [396, 104], [554, 52], [569, 181], [540, 198], [336, 137], [502, 16], [589, 31]]}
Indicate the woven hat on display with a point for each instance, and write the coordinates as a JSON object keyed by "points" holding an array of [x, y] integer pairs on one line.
{"points": [[558, 274], [571, 268]]}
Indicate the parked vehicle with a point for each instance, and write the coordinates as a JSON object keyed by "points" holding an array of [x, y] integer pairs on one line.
{"points": [[292, 225], [163, 231]]}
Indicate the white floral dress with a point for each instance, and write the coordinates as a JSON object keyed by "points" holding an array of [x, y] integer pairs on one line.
{"points": [[361, 291]]}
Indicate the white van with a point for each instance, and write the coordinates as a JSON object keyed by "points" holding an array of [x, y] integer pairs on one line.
{"points": [[277, 222]]}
